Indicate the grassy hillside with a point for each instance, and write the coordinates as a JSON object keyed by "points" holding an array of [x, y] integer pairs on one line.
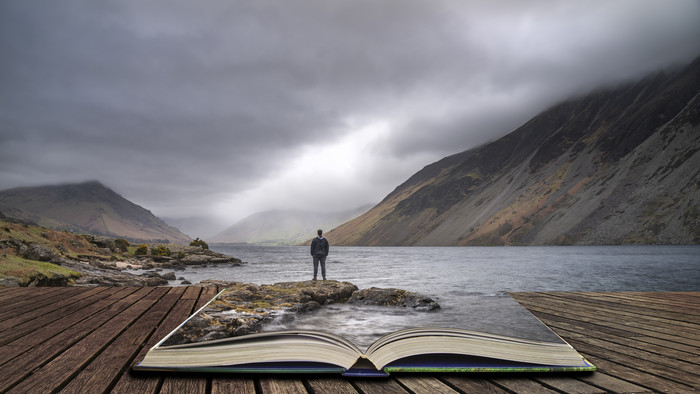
{"points": [[13, 261]]}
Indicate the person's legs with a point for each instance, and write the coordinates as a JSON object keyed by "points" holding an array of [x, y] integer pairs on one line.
{"points": [[316, 259], [323, 267]]}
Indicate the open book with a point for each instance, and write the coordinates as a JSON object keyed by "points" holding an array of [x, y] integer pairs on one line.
{"points": [[425, 349]]}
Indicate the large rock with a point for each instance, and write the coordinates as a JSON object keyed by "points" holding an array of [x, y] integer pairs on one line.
{"points": [[195, 259], [38, 253], [169, 276], [323, 292], [104, 242], [393, 297], [205, 257]]}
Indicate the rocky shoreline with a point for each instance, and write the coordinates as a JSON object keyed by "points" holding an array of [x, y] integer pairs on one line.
{"points": [[246, 308], [159, 269], [87, 260]]}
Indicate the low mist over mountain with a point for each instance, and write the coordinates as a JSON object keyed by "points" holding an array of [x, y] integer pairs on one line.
{"points": [[86, 208], [619, 166], [284, 227]]}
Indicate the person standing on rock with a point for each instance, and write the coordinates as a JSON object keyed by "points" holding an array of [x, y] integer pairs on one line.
{"points": [[319, 251]]}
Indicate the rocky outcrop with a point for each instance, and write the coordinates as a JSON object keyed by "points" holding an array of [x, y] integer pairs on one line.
{"points": [[39, 253], [393, 297]]}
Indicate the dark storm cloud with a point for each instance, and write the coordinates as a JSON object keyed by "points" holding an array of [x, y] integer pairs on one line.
{"points": [[179, 104]]}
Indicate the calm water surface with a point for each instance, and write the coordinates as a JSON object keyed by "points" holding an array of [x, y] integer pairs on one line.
{"points": [[466, 281], [445, 271]]}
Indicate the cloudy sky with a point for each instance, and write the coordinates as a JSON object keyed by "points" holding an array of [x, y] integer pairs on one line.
{"points": [[220, 108]]}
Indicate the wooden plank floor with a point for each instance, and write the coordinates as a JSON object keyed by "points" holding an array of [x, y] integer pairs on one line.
{"points": [[84, 340]]}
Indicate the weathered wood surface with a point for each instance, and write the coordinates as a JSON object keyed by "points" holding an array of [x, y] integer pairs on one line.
{"points": [[85, 340]]}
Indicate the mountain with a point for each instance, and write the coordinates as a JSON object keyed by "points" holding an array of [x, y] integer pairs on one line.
{"points": [[87, 208], [618, 166], [284, 227]]}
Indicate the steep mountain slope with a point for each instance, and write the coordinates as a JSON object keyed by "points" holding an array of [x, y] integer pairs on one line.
{"points": [[616, 166], [86, 207], [284, 227]]}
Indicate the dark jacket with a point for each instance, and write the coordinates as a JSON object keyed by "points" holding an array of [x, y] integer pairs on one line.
{"points": [[319, 247]]}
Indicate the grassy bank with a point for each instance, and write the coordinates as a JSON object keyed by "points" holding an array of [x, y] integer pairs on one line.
{"points": [[35, 272]]}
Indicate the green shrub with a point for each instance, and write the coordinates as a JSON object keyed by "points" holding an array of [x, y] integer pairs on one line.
{"points": [[199, 242], [122, 244], [161, 250], [141, 250]]}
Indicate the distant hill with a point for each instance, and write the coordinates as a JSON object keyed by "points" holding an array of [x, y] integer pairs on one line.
{"points": [[284, 227], [195, 226], [86, 208], [618, 166]]}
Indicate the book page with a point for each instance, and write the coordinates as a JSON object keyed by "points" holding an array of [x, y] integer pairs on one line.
{"points": [[364, 324], [360, 324]]}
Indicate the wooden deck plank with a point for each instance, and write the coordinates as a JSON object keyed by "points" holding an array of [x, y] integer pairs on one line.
{"points": [[115, 359], [653, 315], [282, 385], [576, 329], [679, 364], [640, 366], [331, 384], [192, 293], [472, 384], [29, 360], [567, 385], [11, 300], [131, 382], [669, 350], [522, 385], [43, 315], [379, 386], [27, 309], [612, 384], [59, 371], [670, 373], [17, 326], [624, 326], [633, 338], [651, 318], [191, 383], [206, 295], [645, 306], [177, 385], [227, 385], [46, 333], [424, 384], [674, 302], [638, 377], [669, 337], [651, 312]]}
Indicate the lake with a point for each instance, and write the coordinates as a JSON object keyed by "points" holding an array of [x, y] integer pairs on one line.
{"points": [[467, 281]]}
